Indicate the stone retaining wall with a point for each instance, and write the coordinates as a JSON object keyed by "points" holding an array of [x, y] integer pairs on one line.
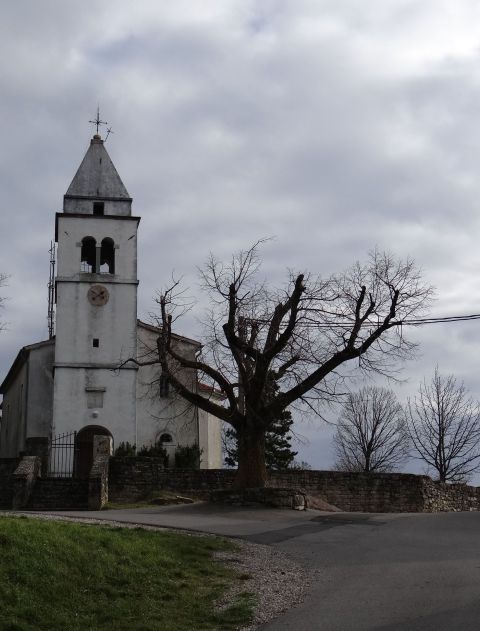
{"points": [[59, 494], [438, 496], [370, 493], [381, 492], [7, 467], [268, 496], [134, 478]]}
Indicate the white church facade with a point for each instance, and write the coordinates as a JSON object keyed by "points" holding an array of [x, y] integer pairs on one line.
{"points": [[76, 381]]}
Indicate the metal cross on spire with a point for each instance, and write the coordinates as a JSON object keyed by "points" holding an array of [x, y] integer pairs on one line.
{"points": [[97, 121]]}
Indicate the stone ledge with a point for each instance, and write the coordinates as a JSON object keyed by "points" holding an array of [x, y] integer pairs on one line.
{"points": [[268, 496]]}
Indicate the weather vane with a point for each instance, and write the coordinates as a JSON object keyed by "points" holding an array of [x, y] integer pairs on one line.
{"points": [[97, 121]]}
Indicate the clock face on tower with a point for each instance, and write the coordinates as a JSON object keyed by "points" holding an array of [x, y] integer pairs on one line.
{"points": [[98, 295]]}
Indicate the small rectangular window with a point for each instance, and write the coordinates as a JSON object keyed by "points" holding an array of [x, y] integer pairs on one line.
{"points": [[98, 208], [96, 342]]}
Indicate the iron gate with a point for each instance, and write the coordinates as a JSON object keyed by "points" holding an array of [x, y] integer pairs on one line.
{"points": [[63, 456]]}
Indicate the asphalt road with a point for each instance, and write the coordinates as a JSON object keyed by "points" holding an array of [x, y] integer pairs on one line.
{"points": [[389, 573], [374, 572]]}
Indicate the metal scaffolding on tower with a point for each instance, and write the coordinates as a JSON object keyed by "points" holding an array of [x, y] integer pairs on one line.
{"points": [[51, 292]]}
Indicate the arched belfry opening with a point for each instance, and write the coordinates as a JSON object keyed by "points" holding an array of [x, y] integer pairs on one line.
{"points": [[107, 256], [89, 255]]}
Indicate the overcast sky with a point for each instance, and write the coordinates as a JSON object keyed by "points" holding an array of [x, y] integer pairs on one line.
{"points": [[333, 125]]}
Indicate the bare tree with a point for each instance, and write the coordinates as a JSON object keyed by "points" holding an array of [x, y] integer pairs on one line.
{"points": [[372, 432], [302, 334], [444, 425]]}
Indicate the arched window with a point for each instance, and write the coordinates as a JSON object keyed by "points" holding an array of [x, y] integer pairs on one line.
{"points": [[107, 257], [88, 256], [165, 438]]}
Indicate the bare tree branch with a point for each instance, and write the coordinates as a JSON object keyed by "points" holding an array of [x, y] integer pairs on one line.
{"points": [[305, 334]]}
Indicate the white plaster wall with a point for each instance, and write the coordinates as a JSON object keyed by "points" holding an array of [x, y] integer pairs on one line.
{"points": [[71, 231], [78, 364], [118, 413], [156, 415], [78, 322], [12, 432], [210, 440], [40, 391]]}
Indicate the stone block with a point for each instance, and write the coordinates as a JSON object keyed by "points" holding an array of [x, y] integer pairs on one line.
{"points": [[24, 479]]}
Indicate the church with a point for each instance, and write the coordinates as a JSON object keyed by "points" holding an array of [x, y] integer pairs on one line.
{"points": [[75, 383]]}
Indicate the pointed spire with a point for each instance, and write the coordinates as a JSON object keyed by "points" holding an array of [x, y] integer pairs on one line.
{"points": [[97, 176], [97, 179]]}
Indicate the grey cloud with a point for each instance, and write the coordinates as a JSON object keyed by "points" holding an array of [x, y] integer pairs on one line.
{"points": [[303, 120]]}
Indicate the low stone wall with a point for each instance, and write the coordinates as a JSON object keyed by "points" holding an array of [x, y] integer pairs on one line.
{"points": [[7, 467], [381, 492], [369, 493], [134, 478], [438, 496], [267, 496], [59, 494], [131, 479]]}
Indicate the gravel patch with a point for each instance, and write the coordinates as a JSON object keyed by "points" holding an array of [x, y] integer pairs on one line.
{"points": [[278, 582], [274, 578]]}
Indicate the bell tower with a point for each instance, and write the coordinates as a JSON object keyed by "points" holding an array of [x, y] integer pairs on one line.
{"points": [[96, 302]]}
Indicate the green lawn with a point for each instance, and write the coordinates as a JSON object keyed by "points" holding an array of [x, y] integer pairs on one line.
{"points": [[67, 576]]}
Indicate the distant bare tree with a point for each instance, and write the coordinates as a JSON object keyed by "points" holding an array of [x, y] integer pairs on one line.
{"points": [[371, 433], [444, 426], [303, 333]]}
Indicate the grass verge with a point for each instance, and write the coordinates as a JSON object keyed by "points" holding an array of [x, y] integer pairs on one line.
{"points": [[58, 575]]}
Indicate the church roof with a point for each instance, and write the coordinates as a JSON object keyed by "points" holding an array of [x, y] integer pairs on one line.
{"points": [[24, 354], [175, 336], [20, 359], [97, 176]]}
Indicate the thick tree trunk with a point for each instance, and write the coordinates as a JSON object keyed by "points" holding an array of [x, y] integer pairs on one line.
{"points": [[252, 472]]}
